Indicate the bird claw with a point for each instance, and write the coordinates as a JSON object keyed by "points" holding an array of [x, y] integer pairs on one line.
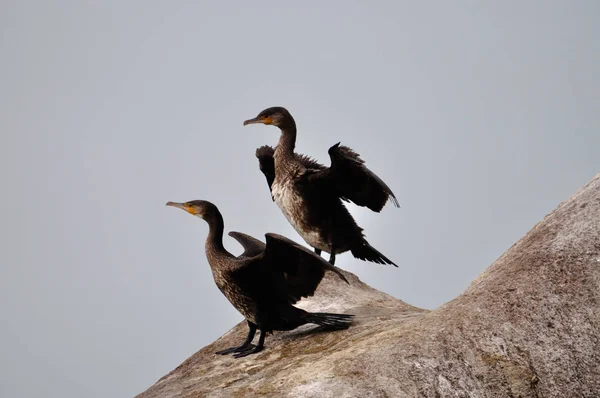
{"points": [[251, 349]]}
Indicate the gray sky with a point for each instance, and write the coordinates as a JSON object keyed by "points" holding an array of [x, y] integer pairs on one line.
{"points": [[481, 117]]}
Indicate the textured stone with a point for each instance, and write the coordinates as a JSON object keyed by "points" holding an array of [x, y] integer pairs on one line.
{"points": [[529, 326]]}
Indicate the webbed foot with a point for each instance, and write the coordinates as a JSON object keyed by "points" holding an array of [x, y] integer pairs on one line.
{"points": [[251, 349]]}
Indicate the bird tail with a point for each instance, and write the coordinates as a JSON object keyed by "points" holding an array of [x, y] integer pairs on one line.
{"points": [[367, 252], [329, 320]]}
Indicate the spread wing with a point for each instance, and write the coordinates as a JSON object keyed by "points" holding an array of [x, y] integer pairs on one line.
{"points": [[352, 180], [285, 271], [301, 270], [266, 162], [252, 247]]}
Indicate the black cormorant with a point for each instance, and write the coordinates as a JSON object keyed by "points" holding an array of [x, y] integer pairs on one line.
{"points": [[310, 195], [265, 281]]}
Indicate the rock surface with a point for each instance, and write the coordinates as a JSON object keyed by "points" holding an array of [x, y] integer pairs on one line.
{"points": [[529, 326]]}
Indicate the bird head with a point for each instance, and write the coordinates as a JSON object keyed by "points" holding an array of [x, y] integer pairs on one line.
{"points": [[198, 208], [276, 116]]}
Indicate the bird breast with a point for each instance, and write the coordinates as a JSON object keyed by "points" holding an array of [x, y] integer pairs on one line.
{"points": [[242, 302], [295, 209]]}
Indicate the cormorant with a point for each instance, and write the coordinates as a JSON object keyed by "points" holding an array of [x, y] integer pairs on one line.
{"points": [[310, 195], [265, 281]]}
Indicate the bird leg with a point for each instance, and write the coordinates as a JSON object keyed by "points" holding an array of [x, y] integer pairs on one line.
{"points": [[253, 349], [247, 343], [332, 256], [318, 251]]}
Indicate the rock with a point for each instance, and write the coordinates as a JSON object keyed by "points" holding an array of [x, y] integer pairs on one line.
{"points": [[529, 326]]}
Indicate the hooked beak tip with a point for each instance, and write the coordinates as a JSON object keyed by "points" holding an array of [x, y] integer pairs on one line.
{"points": [[253, 121]]}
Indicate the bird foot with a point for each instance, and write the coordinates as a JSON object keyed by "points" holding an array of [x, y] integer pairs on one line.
{"points": [[251, 349], [234, 349]]}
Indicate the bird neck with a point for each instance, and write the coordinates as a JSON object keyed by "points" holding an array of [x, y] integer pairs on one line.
{"points": [[287, 140], [214, 240], [284, 152]]}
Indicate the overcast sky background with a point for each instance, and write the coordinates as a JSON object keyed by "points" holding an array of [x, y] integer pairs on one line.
{"points": [[481, 117]]}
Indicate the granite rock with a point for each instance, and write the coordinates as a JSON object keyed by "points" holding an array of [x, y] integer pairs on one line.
{"points": [[529, 326]]}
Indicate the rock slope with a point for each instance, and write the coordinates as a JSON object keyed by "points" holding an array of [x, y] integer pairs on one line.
{"points": [[529, 326]]}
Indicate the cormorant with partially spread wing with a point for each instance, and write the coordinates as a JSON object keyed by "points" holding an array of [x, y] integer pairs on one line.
{"points": [[310, 195], [265, 281]]}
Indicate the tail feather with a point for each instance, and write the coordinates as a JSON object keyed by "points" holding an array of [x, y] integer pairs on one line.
{"points": [[366, 252], [329, 320]]}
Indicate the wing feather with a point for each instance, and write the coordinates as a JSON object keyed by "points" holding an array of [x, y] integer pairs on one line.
{"points": [[252, 246], [266, 164], [352, 180], [300, 270]]}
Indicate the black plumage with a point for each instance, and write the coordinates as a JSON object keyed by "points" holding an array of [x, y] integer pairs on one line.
{"points": [[310, 195], [266, 163], [266, 280]]}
